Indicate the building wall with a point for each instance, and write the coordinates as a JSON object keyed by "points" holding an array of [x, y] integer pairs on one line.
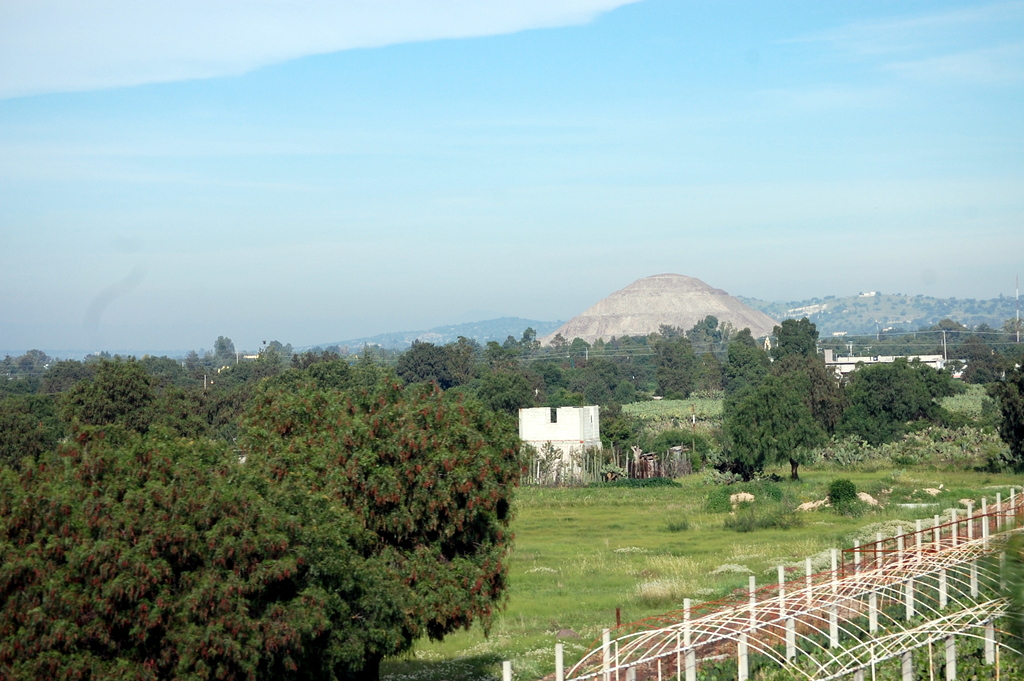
{"points": [[573, 427], [844, 365]]}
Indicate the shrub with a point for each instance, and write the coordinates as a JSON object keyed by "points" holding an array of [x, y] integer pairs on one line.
{"points": [[718, 500], [681, 525], [750, 518], [841, 491], [634, 483]]}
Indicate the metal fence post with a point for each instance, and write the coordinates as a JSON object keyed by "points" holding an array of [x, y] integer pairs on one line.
{"points": [[606, 658], [950, 658]]}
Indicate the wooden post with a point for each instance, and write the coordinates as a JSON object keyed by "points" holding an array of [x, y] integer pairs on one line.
{"points": [[506, 671], [559, 663]]}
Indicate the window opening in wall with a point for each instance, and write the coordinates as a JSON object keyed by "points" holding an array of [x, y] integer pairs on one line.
{"points": [[554, 414]]}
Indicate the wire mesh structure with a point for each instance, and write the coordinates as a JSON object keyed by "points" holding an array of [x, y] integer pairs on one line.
{"points": [[878, 602]]}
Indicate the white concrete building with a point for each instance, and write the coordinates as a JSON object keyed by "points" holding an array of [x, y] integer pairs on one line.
{"points": [[569, 429], [844, 365]]}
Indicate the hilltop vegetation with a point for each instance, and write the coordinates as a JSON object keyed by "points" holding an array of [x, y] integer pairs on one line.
{"points": [[866, 315]]}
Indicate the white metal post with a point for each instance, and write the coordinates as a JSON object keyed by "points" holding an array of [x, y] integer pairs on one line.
{"points": [[909, 594], [606, 656], [782, 591], [984, 520], [950, 658], [506, 671], [907, 666], [790, 638], [752, 588], [741, 650], [807, 568], [559, 663]]}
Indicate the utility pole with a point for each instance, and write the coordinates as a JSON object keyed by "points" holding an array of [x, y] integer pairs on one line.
{"points": [[944, 357], [1018, 308]]}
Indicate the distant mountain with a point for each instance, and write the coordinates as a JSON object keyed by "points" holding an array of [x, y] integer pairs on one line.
{"points": [[873, 311], [482, 332], [647, 304]]}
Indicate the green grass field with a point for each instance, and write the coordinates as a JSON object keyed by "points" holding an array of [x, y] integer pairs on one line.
{"points": [[581, 552]]}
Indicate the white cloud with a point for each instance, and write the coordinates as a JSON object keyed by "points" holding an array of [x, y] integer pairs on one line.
{"points": [[67, 45], [999, 65]]}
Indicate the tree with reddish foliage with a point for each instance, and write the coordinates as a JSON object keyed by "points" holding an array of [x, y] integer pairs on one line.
{"points": [[357, 523], [427, 474]]}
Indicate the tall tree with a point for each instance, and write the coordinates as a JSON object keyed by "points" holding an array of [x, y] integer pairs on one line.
{"points": [[1010, 395], [427, 474], [748, 365], [676, 365], [770, 424], [795, 337], [884, 397], [119, 393]]}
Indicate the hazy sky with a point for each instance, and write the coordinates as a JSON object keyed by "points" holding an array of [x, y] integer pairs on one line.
{"points": [[314, 171]]}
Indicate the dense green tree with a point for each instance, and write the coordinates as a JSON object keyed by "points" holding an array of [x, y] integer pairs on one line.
{"points": [[676, 365], [427, 474], [119, 393], [1010, 395], [984, 364], [795, 337], [224, 351], [821, 389], [62, 375], [885, 397], [748, 364], [29, 426], [426, 363], [506, 391], [710, 374], [771, 423], [162, 558]]}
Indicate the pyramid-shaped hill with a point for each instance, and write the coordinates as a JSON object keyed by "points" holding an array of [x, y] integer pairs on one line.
{"points": [[671, 299]]}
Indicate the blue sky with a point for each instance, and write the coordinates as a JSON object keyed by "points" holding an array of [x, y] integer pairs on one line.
{"points": [[172, 174]]}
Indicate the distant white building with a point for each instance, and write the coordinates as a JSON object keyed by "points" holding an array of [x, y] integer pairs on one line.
{"points": [[568, 429], [844, 365]]}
